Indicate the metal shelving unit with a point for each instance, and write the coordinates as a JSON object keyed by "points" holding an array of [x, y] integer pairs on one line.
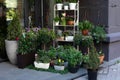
{"points": [[70, 28]]}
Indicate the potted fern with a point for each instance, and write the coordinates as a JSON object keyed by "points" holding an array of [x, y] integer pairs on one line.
{"points": [[14, 30]]}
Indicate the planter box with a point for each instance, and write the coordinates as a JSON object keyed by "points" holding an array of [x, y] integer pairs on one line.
{"points": [[41, 65], [25, 60], [59, 67]]}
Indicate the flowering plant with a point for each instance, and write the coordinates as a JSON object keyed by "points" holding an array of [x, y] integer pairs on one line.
{"points": [[59, 62]]}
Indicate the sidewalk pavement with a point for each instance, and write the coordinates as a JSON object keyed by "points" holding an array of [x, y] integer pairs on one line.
{"points": [[11, 72], [108, 73]]}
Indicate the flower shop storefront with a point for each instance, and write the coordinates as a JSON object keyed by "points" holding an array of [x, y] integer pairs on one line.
{"points": [[98, 12], [39, 13]]}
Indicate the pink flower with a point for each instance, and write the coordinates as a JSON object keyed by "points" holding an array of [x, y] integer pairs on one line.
{"points": [[17, 38]]}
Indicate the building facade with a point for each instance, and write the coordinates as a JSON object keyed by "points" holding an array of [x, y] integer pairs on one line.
{"points": [[103, 12]]}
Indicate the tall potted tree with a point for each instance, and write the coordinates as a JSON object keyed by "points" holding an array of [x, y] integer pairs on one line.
{"points": [[91, 62], [14, 30], [45, 36]]}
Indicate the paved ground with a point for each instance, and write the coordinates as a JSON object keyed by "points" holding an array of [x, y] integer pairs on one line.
{"points": [[11, 72], [108, 73]]}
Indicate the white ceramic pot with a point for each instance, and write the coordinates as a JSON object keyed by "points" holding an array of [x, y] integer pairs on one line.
{"points": [[69, 38], [59, 6], [57, 23], [72, 6], [59, 67], [11, 49], [41, 65], [65, 7]]}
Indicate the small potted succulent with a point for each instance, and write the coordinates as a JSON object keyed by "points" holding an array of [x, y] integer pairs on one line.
{"points": [[85, 26]]}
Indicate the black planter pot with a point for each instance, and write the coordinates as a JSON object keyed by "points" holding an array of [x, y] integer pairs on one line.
{"points": [[25, 60], [92, 74], [73, 69]]}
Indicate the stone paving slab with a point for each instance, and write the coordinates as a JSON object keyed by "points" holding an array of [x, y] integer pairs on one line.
{"points": [[11, 72]]}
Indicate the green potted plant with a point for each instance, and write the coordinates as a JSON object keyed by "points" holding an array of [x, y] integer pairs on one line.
{"points": [[45, 36], [56, 20], [52, 54], [14, 30], [72, 4], [58, 4], [85, 26], [70, 21], [74, 58], [91, 62], [26, 49], [59, 64], [42, 59], [99, 35], [82, 42]]}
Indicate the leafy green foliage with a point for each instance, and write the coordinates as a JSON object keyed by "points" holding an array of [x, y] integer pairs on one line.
{"points": [[91, 59], [52, 53], [14, 28], [43, 56], [74, 1], [49, 70], [46, 35], [98, 33], [56, 19], [27, 43], [74, 56], [85, 25], [58, 1], [83, 40]]}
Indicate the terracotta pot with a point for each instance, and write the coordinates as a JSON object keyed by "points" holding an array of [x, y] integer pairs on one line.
{"points": [[85, 32], [101, 59], [70, 22]]}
